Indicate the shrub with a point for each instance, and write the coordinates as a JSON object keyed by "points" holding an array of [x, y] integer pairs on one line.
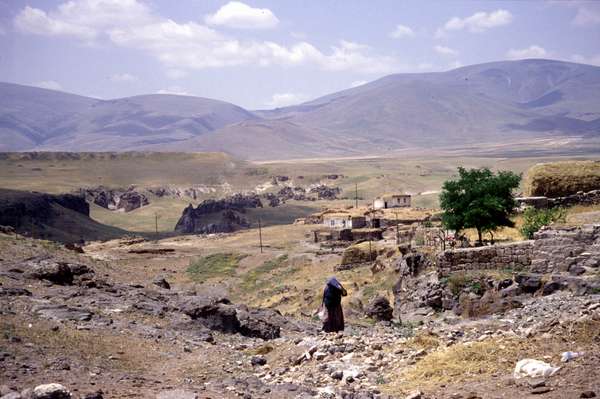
{"points": [[535, 219]]}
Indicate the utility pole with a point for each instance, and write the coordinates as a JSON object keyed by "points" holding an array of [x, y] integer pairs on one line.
{"points": [[397, 230], [260, 236], [356, 195], [156, 226]]}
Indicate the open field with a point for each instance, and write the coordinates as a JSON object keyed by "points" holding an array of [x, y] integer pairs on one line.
{"points": [[419, 174]]}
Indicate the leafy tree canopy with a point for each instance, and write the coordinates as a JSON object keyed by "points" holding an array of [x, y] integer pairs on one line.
{"points": [[479, 199]]}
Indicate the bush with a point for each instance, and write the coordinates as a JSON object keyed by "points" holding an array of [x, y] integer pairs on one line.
{"points": [[535, 219]]}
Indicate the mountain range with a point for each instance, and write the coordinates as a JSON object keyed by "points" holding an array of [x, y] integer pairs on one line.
{"points": [[488, 103]]}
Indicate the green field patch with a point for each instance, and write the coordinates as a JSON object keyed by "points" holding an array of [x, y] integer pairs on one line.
{"points": [[215, 265], [251, 279]]}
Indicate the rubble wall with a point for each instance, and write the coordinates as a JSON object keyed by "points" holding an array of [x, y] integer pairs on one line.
{"points": [[567, 249], [502, 256]]}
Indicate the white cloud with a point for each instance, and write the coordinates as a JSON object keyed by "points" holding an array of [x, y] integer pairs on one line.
{"points": [[532, 51], [478, 22], [443, 50], [84, 19], [357, 83], [123, 77], [176, 74], [593, 60], [189, 45], [175, 90], [279, 100], [402, 31], [48, 84], [588, 12], [241, 16]]}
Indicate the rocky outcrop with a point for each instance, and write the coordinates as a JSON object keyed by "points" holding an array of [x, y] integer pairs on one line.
{"points": [[229, 220], [221, 315], [379, 309], [18, 206], [325, 192], [61, 273], [293, 193], [116, 199], [193, 192]]}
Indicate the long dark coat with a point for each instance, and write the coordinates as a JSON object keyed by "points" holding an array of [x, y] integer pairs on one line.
{"points": [[332, 299]]}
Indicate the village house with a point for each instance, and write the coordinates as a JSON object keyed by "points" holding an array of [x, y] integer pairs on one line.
{"points": [[341, 220], [392, 201]]}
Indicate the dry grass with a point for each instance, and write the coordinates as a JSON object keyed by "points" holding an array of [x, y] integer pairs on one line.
{"points": [[475, 360], [562, 178], [93, 348]]}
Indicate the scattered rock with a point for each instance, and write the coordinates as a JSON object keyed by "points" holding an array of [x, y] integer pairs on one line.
{"points": [[415, 395], [177, 394], [540, 390], [56, 272], [379, 309], [62, 312], [258, 361], [162, 283], [51, 391]]}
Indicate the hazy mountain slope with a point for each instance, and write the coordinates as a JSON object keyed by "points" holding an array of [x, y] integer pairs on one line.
{"points": [[45, 119], [29, 115], [487, 103], [482, 103]]}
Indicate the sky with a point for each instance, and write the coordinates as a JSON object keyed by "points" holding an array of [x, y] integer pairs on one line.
{"points": [[262, 54]]}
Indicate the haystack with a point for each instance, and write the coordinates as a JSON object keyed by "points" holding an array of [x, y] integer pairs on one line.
{"points": [[559, 179]]}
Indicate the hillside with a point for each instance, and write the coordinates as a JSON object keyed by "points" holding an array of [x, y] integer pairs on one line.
{"points": [[64, 218], [499, 102], [487, 103], [33, 118]]}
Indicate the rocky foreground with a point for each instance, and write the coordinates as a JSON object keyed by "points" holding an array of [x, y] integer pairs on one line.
{"points": [[72, 327]]}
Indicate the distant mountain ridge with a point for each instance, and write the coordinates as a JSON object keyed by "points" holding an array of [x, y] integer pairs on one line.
{"points": [[485, 103]]}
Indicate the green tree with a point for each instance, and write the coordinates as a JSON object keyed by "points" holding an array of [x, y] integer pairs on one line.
{"points": [[534, 219], [479, 199]]}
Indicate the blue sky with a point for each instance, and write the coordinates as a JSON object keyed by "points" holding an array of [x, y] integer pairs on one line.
{"points": [[264, 54]]}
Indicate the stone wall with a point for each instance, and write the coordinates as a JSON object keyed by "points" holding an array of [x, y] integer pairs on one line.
{"points": [[575, 250], [580, 198], [570, 249], [502, 256]]}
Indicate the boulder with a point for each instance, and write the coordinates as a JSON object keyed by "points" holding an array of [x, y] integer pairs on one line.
{"points": [[162, 283], [51, 391], [379, 309], [62, 312], [256, 327], [56, 272], [221, 315], [529, 283]]}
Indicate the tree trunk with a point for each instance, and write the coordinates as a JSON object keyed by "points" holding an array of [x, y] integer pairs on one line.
{"points": [[479, 235]]}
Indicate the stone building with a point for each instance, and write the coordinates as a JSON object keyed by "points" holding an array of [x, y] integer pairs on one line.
{"points": [[392, 201], [344, 221]]}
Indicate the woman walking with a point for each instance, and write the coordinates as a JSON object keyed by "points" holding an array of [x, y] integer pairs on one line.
{"points": [[333, 320]]}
